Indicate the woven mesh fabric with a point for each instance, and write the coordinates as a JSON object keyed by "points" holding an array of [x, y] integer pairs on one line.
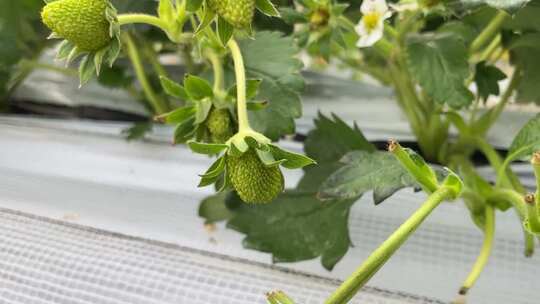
{"points": [[43, 261]]}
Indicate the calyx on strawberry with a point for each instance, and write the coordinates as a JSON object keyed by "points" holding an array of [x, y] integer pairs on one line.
{"points": [[82, 22], [239, 13]]}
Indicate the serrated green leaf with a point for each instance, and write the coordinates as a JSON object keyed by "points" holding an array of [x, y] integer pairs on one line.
{"points": [[333, 138], [439, 63], [527, 141], [272, 58], [197, 87], [296, 227], [365, 171], [525, 52], [487, 80]]}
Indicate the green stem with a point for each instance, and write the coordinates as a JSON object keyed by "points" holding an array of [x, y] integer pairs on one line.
{"points": [[381, 255], [124, 19], [217, 66], [485, 252], [529, 243], [505, 177], [429, 183], [240, 72], [491, 48], [491, 29], [157, 104]]}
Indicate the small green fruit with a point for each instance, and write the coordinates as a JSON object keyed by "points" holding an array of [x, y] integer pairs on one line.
{"points": [[82, 22], [239, 13], [253, 181], [220, 125]]}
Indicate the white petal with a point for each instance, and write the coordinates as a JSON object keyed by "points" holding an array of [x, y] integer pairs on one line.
{"points": [[374, 6], [361, 29], [370, 39]]}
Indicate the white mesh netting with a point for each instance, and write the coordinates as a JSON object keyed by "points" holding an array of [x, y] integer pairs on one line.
{"points": [[43, 261]]}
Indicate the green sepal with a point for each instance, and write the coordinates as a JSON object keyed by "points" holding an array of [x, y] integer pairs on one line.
{"points": [[177, 116], [268, 159], [252, 89], [257, 105], [173, 89], [197, 87], [205, 148], [225, 30], [291, 160], [453, 182], [267, 7], [203, 108], [184, 131]]}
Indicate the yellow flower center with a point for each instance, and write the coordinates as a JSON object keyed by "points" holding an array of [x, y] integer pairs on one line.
{"points": [[371, 20]]}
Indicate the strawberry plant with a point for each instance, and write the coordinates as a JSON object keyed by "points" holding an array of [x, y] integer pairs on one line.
{"points": [[445, 60]]}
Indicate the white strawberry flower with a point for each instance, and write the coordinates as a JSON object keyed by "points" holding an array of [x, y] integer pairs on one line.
{"points": [[371, 26]]}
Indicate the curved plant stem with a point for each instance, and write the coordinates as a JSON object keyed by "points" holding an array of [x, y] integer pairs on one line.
{"points": [[488, 32], [381, 255], [157, 104], [240, 72], [217, 67], [485, 252], [124, 19]]}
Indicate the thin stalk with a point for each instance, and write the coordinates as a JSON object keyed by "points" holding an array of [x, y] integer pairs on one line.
{"points": [[240, 72], [157, 104], [491, 48], [217, 67], [491, 29], [517, 201], [529, 243], [124, 19], [381, 255], [485, 252]]}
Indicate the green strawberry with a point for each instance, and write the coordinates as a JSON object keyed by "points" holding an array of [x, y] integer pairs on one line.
{"points": [[253, 181], [82, 22], [239, 13], [220, 125]]}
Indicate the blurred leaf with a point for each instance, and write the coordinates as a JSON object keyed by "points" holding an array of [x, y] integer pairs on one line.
{"points": [[364, 171], [439, 63], [487, 79], [272, 58]]}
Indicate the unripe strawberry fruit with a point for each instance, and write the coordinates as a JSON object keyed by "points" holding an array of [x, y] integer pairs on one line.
{"points": [[82, 22], [219, 124], [252, 180], [239, 13]]}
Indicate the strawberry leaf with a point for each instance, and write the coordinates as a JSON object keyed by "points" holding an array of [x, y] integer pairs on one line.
{"points": [[272, 58]]}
